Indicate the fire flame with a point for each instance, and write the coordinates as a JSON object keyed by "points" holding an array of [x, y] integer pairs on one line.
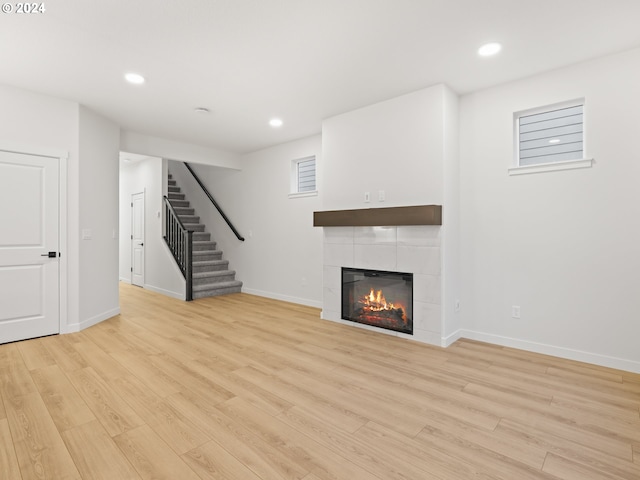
{"points": [[375, 302]]}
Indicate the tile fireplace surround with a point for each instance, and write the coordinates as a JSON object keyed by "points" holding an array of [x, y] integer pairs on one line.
{"points": [[413, 249]]}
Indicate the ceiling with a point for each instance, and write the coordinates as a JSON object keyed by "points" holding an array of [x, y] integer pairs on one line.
{"points": [[300, 60]]}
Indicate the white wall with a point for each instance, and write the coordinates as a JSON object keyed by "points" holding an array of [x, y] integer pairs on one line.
{"points": [[564, 246], [281, 256], [99, 142], [161, 272], [395, 146], [161, 147], [451, 280]]}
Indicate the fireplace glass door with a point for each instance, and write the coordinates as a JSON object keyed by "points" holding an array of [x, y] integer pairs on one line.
{"points": [[381, 299]]}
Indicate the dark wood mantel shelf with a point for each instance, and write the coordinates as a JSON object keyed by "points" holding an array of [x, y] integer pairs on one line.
{"points": [[380, 217]]}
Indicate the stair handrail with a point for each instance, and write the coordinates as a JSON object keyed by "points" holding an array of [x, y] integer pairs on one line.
{"points": [[180, 243], [215, 204]]}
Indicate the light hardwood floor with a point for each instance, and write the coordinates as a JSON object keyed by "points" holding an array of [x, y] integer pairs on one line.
{"points": [[242, 387]]}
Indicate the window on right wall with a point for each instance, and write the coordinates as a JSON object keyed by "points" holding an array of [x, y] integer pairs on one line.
{"points": [[550, 138]]}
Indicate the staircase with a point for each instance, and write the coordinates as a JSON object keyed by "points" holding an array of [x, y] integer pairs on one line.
{"points": [[211, 274]]}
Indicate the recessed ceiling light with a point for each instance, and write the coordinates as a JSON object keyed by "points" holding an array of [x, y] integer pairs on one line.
{"points": [[489, 49], [202, 110], [554, 140], [275, 122], [134, 78]]}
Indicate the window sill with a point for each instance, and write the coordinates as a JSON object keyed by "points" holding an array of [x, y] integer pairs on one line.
{"points": [[304, 194], [552, 167]]}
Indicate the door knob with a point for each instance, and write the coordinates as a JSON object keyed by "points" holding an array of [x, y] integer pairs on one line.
{"points": [[50, 255]]}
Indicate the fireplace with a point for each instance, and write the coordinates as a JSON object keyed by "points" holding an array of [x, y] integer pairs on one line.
{"points": [[378, 298]]}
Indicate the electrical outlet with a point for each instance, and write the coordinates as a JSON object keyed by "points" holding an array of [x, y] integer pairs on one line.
{"points": [[367, 197], [515, 311], [381, 195]]}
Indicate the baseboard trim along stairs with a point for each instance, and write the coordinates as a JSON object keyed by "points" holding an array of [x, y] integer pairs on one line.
{"points": [[211, 274]]}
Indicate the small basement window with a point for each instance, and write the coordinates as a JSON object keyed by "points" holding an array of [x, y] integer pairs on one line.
{"points": [[551, 136], [303, 177]]}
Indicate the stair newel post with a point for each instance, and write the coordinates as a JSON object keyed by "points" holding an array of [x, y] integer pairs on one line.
{"points": [[169, 218], [168, 227], [176, 237], [188, 266], [173, 236], [178, 242], [180, 235]]}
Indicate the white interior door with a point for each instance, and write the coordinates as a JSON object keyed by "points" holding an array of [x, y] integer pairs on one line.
{"points": [[137, 239], [29, 255]]}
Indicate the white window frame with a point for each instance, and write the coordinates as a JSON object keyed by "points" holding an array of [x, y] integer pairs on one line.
{"points": [[295, 165], [585, 162]]}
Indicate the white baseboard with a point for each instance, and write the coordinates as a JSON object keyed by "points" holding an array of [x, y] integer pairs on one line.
{"points": [[168, 293], [448, 340], [284, 298], [125, 280], [89, 322], [578, 355]]}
